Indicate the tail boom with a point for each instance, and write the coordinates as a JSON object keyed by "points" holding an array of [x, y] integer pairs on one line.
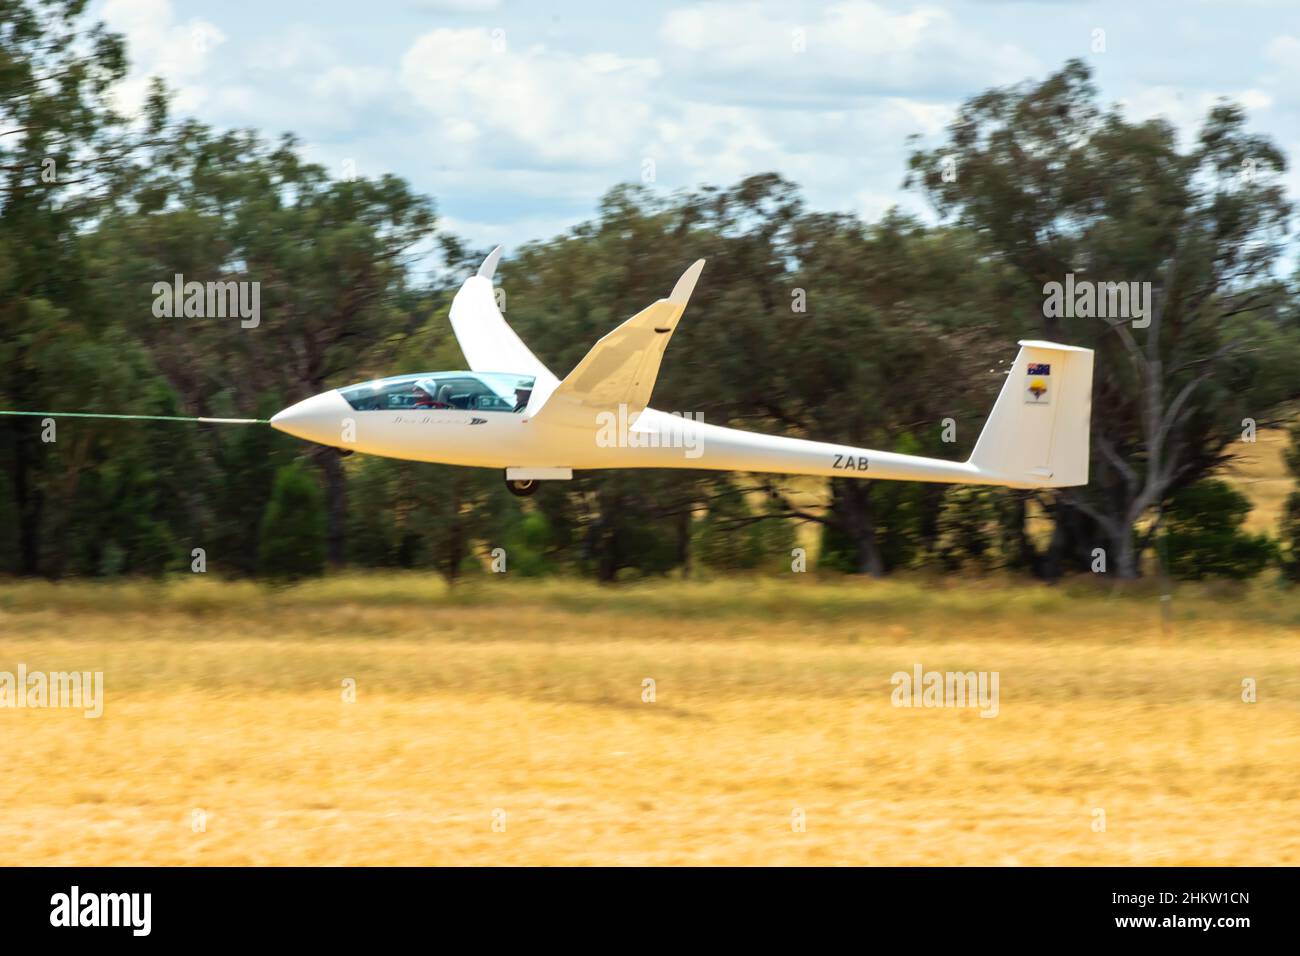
{"points": [[1035, 437], [670, 441]]}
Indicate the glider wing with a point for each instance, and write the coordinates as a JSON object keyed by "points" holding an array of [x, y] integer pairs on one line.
{"points": [[489, 344], [622, 367]]}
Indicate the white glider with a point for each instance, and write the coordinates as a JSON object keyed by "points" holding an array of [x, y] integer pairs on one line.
{"points": [[510, 412]]}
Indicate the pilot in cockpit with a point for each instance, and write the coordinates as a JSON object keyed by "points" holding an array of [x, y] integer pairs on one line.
{"points": [[424, 400]]}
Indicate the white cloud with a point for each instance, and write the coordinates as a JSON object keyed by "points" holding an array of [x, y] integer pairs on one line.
{"points": [[839, 53], [558, 128], [299, 49], [160, 45], [515, 139], [352, 86], [1283, 55], [458, 6], [556, 107], [511, 234], [1284, 50], [1186, 112], [542, 125]]}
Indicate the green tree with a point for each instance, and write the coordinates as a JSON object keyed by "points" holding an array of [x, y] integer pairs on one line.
{"points": [[66, 159], [292, 537], [1204, 536], [735, 535], [530, 545], [330, 258]]}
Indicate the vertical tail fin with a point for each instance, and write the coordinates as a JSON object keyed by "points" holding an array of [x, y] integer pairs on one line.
{"points": [[1037, 434]]}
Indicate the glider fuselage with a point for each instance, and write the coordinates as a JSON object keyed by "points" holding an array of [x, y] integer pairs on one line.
{"points": [[501, 438]]}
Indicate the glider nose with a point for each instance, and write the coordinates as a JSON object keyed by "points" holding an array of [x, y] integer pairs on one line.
{"points": [[320, 418]]}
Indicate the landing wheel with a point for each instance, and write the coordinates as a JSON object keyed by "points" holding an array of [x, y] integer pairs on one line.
{"points": [[522, 489]]}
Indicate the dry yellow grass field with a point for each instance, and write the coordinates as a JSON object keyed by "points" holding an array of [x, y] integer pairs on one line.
{"points": [[520, 703], [1259, 471]]}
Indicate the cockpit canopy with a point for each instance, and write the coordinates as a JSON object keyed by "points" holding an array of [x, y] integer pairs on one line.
{"points": [[477, 391]]}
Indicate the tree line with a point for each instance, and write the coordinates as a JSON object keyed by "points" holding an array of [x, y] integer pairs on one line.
{"points": [[892, 334]]}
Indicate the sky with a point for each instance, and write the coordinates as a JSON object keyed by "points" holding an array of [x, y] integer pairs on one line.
{"points": [[516, 117]]}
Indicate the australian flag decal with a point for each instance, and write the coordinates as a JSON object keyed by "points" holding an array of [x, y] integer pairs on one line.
{"points": [[1037, 384]]}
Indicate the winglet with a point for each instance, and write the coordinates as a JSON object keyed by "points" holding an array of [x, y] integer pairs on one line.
{"points": [[489, 266], [686, 284]]}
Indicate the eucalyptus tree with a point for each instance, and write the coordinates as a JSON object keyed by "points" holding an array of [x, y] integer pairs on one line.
{"points": [[1069, 193], [67, 159]]}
